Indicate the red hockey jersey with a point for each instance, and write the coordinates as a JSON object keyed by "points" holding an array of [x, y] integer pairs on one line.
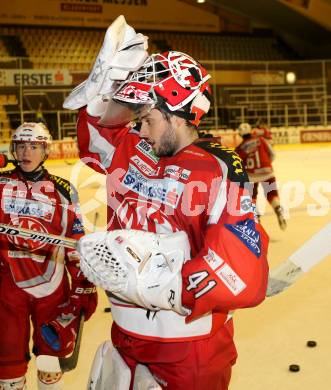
{"points": [[263, 132], [49, 205], [257, 155], [201, 190]]}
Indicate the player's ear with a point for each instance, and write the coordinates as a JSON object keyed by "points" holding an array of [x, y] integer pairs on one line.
{"points": [[177, 121]]}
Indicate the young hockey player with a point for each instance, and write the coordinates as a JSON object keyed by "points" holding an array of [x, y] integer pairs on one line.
{"points": [[258, 154], [163, 179], [34, 283]]}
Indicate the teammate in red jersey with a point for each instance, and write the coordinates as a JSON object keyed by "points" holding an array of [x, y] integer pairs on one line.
{"points": [[163, 179], [261, 130], [34, 283], [258, 155]]}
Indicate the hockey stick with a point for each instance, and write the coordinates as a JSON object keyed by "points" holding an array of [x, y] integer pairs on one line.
{"points": [[28, 234], [70, 362], [283, 276], [300, 262], [48, 363]]}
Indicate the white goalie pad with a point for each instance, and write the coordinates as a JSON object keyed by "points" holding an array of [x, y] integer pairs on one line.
{"points": [[109, 371], [143, 379], [123, 51], [140, 267]]}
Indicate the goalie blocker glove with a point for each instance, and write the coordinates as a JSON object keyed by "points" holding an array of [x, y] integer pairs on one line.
{"points": [[140, 267], [123, 51]]}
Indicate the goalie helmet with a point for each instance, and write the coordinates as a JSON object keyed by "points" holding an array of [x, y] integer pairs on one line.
{"points": [[34, 133], [171, 81], [244, 129]]}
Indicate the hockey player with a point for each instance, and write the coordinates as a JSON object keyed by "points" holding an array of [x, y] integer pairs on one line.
{"points": [[261, 130], [34, 283], [163, 179], [258, 155]]}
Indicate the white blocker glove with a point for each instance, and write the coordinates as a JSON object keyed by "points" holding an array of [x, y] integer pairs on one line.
{"points": [[140, 267], [123, 51]]}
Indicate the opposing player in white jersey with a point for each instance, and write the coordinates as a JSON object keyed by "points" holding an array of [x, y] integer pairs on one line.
{"points": [[34, 276], [171, 295]]}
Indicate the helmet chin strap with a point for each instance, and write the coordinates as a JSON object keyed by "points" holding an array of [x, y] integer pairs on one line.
{"points": [[33, 175]]}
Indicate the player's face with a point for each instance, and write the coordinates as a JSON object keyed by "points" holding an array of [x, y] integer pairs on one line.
{"points": [[159, 132], [29, 155]]}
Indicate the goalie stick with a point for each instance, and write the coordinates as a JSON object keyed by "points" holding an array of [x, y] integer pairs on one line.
{"points": [[313, 251], [48, 363]]}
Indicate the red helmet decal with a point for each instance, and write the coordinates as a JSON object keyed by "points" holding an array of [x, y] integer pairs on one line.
{"points": [[173, 79]]}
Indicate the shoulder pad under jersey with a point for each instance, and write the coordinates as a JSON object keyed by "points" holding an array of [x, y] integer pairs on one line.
{"points": [[7, 173], [236, 170], [65, 188]]}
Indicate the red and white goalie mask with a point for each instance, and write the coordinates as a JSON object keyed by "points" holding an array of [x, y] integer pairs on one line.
{"points": [[172, 81]]}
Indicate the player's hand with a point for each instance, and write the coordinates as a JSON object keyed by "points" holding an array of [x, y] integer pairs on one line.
{"points": [[140, 267], [83, 296], [59, 334]]}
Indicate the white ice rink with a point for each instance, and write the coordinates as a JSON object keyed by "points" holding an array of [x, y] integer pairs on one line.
{"points": [[272, 336]]}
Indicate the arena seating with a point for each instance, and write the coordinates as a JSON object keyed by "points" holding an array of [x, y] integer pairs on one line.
{"points": [[76, 48], [5, 127], [3, 50]]}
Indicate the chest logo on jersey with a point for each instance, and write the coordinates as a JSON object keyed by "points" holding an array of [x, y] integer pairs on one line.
{"points": [[22, 243], [175, 172], [166, 191], [247, 234], [27, 207], [144, 167], [145, 148], [144, 215]]}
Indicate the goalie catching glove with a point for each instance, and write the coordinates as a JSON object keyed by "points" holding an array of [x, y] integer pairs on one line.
{"points": [[123, 51], [139, 267]]}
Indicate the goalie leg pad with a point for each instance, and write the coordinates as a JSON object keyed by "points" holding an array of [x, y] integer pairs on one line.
{"points": [[143, 379], [109, 371], [140, 267], [13, 384]]}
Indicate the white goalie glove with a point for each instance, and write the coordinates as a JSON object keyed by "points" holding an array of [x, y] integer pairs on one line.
{"points": [[123, 51], [140, 267]]}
